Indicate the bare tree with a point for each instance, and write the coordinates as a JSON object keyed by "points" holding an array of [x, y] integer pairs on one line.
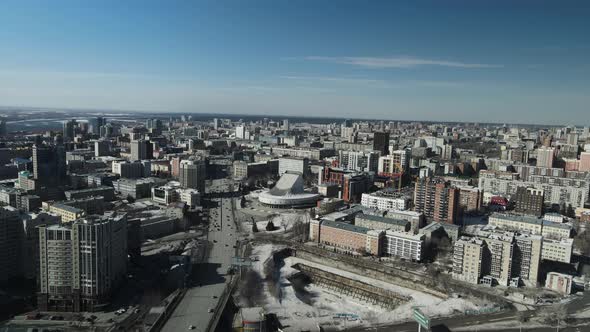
{"points": [[254, 227], [251, 288], [554, 315], [300, 229], [521, 317], [582, 242], [270, 226]]}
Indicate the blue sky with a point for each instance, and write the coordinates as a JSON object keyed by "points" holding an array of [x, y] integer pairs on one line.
{"points": [[500, 61]]}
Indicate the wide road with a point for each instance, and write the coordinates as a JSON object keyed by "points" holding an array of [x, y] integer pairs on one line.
{"points": [[210, 278]]}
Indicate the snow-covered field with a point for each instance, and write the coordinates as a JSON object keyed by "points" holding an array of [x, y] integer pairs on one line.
{"points": [[283, 223], [322, 304]]}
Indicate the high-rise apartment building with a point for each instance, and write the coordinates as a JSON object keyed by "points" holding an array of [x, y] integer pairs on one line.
{"points": [[102, 148], [96, 124], [107, 130], [11, 229], [241, 132], [292, 164], [545, 156], [397, 162], [381, 142], [49, 164], [470, 199], [584, 162], [347, 132], [193, 174], [141, 149], [529, 201], [353, 187], [437, 200], [69, 130], [504, 258], [358, 160], [572, 138], [469, 258], [3, 130], [154, 126], [81, 264]]}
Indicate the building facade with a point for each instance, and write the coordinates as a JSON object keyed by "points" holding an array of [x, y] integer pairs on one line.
{"points": [[193, 173], [385, 200], [437, 200], [10, 241], [81, 264], [404, 245]]}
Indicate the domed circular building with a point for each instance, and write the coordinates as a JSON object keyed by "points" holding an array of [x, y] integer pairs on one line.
{"points": [[288, 193]]}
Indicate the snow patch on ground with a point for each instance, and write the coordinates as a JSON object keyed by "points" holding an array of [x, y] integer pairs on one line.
{"points": [[324, 304], [283, 223]]}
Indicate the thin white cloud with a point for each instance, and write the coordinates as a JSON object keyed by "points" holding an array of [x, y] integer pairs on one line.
{"points": [[440, 84], [331, 79], [71, 74], [397, 62], [375, 83]]}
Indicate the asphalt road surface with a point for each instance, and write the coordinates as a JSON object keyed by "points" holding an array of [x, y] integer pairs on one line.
{"points": [[210, 278]]}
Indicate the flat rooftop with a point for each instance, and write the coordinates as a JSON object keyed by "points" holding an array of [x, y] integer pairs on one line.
{"points": [[345, 226]]}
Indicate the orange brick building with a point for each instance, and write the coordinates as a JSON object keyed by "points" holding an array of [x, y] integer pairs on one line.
{"points": [[345, 237]]}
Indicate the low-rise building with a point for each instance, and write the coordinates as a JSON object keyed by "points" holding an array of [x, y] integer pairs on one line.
{"points": [[530, 224], [90, 205], [136, 188], [66, 212], [245, 170], [416, 219], [132, 169], [385, 200], [557, 250], [404, 245], [165, 194], [559, 282], [346, 237], [329, 205], [107, 192], [191, 197], [292, 164], [382, 223]]}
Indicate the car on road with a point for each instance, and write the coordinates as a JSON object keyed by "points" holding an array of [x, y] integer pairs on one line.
{"points": [[210, 310], [191, 327]]}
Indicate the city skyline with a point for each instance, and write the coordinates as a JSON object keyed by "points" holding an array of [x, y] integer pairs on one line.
{"points": [[459, 61], [290, 166]]}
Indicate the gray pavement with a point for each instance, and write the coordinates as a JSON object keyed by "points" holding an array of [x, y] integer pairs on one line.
{"points": [[210, 278]]}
